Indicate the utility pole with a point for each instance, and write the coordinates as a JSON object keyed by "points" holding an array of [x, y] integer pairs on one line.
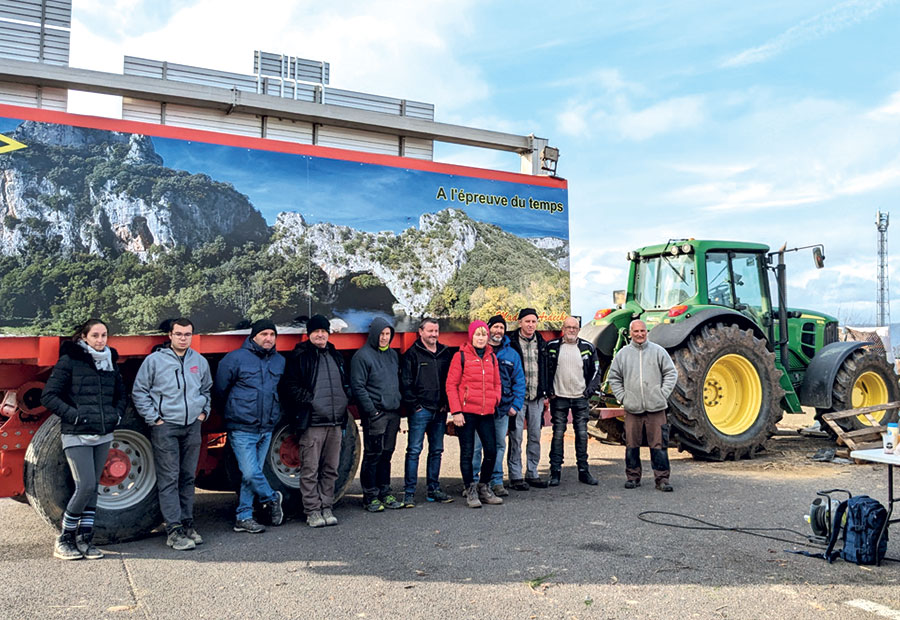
{"points": [[883, 305]]}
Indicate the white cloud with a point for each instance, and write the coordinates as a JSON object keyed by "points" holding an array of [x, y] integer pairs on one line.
{"points": [[888, 111], [834, 19], [617, 116]]}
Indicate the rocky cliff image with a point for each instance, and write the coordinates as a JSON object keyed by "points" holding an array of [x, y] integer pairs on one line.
{"points": [[101, 223]]}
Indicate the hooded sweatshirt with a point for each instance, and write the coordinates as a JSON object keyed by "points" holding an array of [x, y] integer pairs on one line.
{"points": [[374, 374]]}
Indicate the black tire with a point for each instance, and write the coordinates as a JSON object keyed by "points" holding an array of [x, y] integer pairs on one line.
{"points": [[865, 378], [706, 419], [284, 475], [125, 511]]}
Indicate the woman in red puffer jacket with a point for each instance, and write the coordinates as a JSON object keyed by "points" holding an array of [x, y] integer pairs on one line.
{"points": [[473, 391]]}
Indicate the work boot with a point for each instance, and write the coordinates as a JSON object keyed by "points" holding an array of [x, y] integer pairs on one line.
{"points": [[486, 495], [329, 517], [585, 476], [519, 485], [472, 500], [276, 514], [663, 485], [499, 490], [537, 483], [315, 519], [632, 484], [179, 541], [85, 545], [555, 475], [65, 547]]}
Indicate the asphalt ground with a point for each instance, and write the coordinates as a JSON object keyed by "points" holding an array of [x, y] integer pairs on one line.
{"points": [[569, 552]]}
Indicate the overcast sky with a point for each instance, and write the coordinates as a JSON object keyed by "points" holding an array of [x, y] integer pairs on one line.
{"points": [[776, 122]]}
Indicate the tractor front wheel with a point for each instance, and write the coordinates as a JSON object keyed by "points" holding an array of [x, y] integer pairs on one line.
{"points": [[864, 379], [728, 399]]}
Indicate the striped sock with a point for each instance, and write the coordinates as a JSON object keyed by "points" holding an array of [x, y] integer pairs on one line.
{"points": [[70, 522], [86, 525]]}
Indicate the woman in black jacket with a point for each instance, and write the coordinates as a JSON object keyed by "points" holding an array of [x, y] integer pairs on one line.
{"points": [[86, 391]]}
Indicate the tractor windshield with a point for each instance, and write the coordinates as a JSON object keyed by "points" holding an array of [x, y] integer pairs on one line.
{"points": [[663, 281]]}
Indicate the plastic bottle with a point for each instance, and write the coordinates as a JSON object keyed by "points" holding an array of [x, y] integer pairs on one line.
{"points": [[891, 437]]}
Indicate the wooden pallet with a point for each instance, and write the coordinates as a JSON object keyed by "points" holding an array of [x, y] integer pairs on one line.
{"points": [[863, 438]]}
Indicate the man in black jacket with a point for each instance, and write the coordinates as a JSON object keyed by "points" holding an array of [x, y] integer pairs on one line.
{"points": [[532, 348], [423, 378], [573, 373], [316, 392]]}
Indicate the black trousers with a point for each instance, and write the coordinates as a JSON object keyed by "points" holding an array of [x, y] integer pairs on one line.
{"points": [[484, 426], [379, 440], [559, 413], [176, 449]]}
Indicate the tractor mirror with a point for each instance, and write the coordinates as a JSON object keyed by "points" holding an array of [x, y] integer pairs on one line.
{"points": [[818, 257], [618, 298]]}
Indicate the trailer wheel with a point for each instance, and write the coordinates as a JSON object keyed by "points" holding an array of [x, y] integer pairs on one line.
{"points": [[282, 467], [728, 399], [864, 379], [127, 503]]}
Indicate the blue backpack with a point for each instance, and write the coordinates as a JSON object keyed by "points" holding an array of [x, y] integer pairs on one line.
{"points": [[866, 518]]}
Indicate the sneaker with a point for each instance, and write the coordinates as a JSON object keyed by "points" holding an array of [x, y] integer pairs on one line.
{"points": [[663, 485], [315, 519], [179, 541], [391, 502], [499, 490], [472, 500], [519, 485], [329, 517], [409, 500], [486, 496], [537, 483], [439, 496], [86, 546], [249, 525], [65, 547], [276, 514], [632, 484], [191, 533], [374, 506]]}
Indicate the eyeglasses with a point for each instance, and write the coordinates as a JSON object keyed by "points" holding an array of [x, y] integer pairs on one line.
{"points": [[181, 335], [571, 327]]}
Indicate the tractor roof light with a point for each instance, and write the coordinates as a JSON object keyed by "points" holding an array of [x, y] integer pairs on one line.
{"points": [[674, 250], [677, 310], [632, 256], [602, 313], [686, 248]]}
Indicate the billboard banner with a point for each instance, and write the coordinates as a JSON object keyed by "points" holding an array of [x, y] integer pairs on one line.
{"points": [[137, 223]]}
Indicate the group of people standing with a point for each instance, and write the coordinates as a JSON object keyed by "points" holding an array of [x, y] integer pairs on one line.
{"points": [[495, 386]]}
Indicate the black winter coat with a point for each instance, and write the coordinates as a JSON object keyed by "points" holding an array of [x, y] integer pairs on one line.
{"points": [[299, 381], [423, 377], [89, 401]]}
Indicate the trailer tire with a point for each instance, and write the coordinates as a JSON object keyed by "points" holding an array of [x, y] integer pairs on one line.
{"points": [[865, 378], [727, 400], [125, 511], [282, 467]]}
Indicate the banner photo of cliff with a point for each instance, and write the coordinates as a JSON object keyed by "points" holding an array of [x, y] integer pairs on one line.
{"points": [[137, 228]]}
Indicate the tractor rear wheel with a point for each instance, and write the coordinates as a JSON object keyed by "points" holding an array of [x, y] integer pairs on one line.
{"points": [[728, 399], [864, 379]]}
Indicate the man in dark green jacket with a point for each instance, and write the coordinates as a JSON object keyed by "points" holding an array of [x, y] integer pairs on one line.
{"points": [[374, 380]]}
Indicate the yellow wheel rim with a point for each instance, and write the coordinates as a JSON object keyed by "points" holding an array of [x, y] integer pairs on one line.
{"points": [[869, 390], [732, 394]]}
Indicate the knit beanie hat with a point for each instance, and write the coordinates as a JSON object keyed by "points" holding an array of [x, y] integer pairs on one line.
{"points": [[261, 326], [497, 318], [317, 321], [475, 325], [526, 311]]}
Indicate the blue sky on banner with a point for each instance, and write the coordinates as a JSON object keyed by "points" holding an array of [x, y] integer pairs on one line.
{"points": [[767, 121]]}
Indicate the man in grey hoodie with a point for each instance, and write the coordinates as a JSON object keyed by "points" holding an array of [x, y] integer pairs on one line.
{"points": [[642, 376], [172, 393], [375, 382]]}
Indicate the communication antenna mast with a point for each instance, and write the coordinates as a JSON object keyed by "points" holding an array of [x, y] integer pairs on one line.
{"points": [[883, 305]]}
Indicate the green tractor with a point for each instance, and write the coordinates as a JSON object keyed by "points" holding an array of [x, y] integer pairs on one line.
{"points": [[742, 359]]}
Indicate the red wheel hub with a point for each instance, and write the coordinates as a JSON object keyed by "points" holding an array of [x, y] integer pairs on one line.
{"points": [[117, 468], [289, 452]]}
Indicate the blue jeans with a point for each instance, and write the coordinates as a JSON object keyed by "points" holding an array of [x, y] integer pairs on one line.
{"points": [[501, 425], [251, 450], [424, 422]]}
